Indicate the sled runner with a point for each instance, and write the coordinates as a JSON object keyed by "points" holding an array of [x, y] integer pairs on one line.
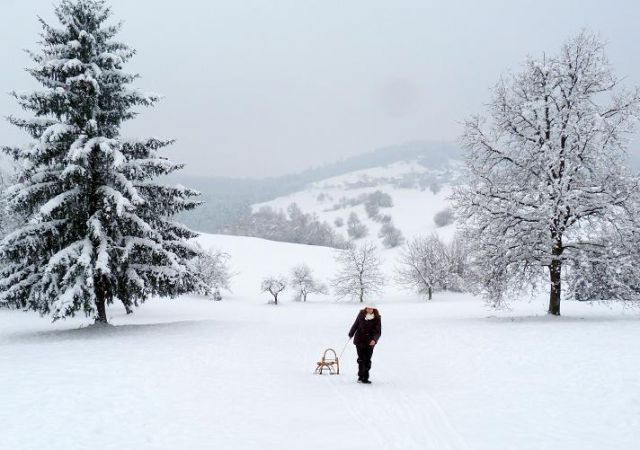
{"points": [[329, 363]]}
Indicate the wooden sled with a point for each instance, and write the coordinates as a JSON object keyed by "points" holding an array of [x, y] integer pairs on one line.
{"points": [[329, 363]]}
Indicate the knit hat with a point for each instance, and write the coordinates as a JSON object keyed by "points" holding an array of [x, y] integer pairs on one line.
{"points": [[370, 304]]}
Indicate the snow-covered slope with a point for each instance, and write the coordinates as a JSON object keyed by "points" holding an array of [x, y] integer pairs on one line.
{"points": [[196, 374], [253, 259], [418, 193]]}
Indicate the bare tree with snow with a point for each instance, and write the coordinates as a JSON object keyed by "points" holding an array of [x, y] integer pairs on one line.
{"points": [[390, 235], [444, 218], [360, 276], [212, 266], [303, 281], [295, 226], [456, 257], [355, 228], [423, 265], [547, 187], [274, 285]]}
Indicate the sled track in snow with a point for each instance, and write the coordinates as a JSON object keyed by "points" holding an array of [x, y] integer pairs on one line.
{"points": [[418, 420]]}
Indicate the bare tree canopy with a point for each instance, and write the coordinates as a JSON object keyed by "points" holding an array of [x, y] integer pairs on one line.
{"points": [[304, 283], [212, 266], [355, 228], [547, 185], [359, 276], [427, 264], [274, 285]]}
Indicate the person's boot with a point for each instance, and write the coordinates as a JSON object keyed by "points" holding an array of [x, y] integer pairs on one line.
{"points": [[365, 372]]}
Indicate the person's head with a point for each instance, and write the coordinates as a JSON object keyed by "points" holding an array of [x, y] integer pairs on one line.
{"points": [[370, 308]]}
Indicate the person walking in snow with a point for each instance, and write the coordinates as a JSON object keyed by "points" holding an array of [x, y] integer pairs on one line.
{"points": [[366, 331]]}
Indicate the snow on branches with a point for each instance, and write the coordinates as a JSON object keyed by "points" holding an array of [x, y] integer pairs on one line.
{"points": [[359, 276], [547, 186], [274, 285], [97, 227], [303, 281], [213, 268]]}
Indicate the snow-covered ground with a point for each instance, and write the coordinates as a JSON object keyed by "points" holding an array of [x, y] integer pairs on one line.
{"points": [[195, 374], [418, 194]]}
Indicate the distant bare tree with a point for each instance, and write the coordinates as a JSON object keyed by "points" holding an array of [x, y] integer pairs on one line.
{"points": [[372, 209], [213, 267], [383, 218], [359, 276], [376, 200], [390, 235], [444, 217], [423, 265], [304, 283], [457, 261], [355, 228], [294, 226], [274, 285]]}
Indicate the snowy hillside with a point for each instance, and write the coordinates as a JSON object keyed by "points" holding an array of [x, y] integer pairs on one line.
{"points": [[226, 199], [417, 194], [237, 374], [252, 259]]}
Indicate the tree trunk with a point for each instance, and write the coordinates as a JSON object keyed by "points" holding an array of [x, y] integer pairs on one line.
{"points": [[101, 306], [555, 271], [275, 297], [429, 290], [361, 296], [127, 307], [101, 297]]}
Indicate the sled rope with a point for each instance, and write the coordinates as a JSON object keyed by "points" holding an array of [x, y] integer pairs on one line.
{"points": [[344, 348]]}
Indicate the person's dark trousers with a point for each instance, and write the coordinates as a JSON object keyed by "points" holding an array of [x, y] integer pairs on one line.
{"points": [[364, 361]]}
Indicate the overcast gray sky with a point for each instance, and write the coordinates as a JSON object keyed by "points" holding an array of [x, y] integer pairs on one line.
{"points": [[266, 87]]}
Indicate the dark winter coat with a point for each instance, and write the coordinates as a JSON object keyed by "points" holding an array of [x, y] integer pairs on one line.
{"points": [[363, 331]]}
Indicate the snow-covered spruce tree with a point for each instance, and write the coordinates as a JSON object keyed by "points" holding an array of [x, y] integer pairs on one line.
{"points": [[547, 186], [359, 276], [4, 212], [98, 226]]}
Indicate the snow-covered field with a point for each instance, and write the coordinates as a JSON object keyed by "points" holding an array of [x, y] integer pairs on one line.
{"points": [[195, 374]]}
